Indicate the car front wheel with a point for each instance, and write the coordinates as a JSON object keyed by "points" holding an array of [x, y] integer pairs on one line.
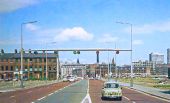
{"points": [[120, 98]]}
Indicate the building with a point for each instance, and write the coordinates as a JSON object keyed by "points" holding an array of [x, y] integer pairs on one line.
{"points": [[156, 58], [146, 66], [162, 69], [168, 56], [34, 65]]}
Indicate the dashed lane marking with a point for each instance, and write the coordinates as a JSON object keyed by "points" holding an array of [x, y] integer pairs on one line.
{"points": [[50, 94], [41, 98], [148, 94], [57, 91], [126, 98]]}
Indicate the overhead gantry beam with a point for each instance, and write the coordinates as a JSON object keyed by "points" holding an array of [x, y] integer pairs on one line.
{"points": [[81, 49]]}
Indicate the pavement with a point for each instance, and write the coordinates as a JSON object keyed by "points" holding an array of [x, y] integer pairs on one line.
{"points": [[149, 90], [14, 88]]}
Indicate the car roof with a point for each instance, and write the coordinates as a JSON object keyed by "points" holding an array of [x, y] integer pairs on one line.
{"points": [[111, 82]]}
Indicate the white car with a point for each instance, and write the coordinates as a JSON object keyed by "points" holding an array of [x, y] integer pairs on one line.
{"points": [[71, 79], [65, 79], [112, 90]]}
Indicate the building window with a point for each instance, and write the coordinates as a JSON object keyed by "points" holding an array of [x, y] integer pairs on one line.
{"points": [[54, 60], [16, 60], [30, 60], [6, 68], [44, 68], [2, 68], [11, 60], [12, 68], [49, 60], [49, 68], [26, 60], [40, 60], [35, 60]]}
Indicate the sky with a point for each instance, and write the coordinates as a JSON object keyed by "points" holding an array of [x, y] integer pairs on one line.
{"points": [[87, 24]]}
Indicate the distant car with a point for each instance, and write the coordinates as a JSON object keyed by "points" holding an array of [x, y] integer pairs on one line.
{"points": [[1, 79], [112, 90], [71, 79], [15, 79], [65, 79]]}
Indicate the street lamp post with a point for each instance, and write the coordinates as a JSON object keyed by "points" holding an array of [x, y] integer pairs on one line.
{"points": [[131, 80], [46, 66], [21, 71]]}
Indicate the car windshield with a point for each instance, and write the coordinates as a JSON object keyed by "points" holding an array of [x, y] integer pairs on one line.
{"points": [[111, 85]]}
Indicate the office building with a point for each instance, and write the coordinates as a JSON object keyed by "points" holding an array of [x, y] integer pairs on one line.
{"points": [[156, 58], [168, 56]]}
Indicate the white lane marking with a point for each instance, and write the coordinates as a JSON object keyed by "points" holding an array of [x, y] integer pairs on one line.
{"points": [[87, 98], [56, 91], [133, 102], [42, 98], [29, 91], [126, 98], [12, 96], [148, 94], [50, 94]]}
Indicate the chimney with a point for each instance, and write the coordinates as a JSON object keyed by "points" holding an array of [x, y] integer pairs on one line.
{"points": [[15, 51], [2, 51]]}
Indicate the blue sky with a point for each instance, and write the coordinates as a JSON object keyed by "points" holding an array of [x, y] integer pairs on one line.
{"points": [[87, 24]]}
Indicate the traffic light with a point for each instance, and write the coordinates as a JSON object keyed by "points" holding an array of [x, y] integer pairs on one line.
{"points": [[76, 52], [55, 52], [117, 51]]}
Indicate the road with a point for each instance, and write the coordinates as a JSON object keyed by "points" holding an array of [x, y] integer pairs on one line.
{"points": [[32, 94], [71, 94], [129, 96]]}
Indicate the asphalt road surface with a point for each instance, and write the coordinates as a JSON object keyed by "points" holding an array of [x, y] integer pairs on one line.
{"points": [[32, 94], [129, 96], [71, 94]]}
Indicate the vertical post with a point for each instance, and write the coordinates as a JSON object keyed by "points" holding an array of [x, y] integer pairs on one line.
{"points": [[100, 71], [115, 64], [108, 66], [131, 81], [57, 66], [21, 71], [46, 67]]}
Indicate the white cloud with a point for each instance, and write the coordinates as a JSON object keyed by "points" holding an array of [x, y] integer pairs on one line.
{"points": [[60, 35], [107, 38], [75, 33], [150, 28], [137, 42], [32, 27], [12, 5]]}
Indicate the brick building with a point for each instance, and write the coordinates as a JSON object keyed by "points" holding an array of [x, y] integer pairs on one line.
{"points": [[34, 65]]}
